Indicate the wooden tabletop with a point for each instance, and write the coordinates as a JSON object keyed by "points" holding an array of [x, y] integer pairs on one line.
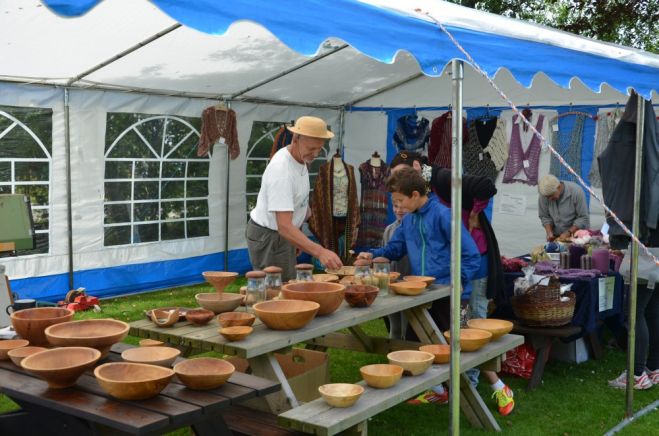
{"points": [[264, 340]]}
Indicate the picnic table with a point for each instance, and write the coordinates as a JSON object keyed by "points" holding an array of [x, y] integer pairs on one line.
{"points": [[87, 409]]}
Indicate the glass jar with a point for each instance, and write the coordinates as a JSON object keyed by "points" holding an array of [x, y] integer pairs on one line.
{"points": [[272, 282], [255, 292], [381, 273], [363, 272], [304, 272]]}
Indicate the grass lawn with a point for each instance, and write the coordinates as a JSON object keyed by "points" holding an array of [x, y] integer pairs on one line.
{"points": [[573, 399]]}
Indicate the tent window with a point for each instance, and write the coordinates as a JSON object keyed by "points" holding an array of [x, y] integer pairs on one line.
{"points": [[156, 187], [25, 164]]}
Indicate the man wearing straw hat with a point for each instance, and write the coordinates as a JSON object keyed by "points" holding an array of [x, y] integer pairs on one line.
{"points": [[562, 207], [273, 231]]}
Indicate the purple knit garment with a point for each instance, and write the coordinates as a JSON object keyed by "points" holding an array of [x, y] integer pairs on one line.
{"points": [[517, 156]]}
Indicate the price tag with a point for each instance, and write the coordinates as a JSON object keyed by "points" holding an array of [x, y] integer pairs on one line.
{"points": [[480, 156], [526, 163], [222, 140], [554, 127]]}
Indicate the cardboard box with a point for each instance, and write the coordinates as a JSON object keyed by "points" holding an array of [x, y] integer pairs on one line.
{"points": [[305, 371], [572, 352]]}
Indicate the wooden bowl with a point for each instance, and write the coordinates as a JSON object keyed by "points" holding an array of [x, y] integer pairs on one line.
{"points": [[328, 295], [232, 319], [498, 327], [341, 394], [95, 333], [219, 279], [164, 318], [361, 295], [471, 339], [31, 323], [331, 278], [393, 276], [150, 343], [204, 372], [350, 280], [425, 279], [11, 344], [199, 316], [413, 362], [408, 288], [61, 367], [286, 314], [161, 356], [218, 303], [181, 312], [342, 272], [132, 381], [381, 375], [18, 354], [236, 333], [441, 352]]}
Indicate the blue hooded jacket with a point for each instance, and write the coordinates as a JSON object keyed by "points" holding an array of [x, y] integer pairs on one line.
{"points": [[425, 237]]}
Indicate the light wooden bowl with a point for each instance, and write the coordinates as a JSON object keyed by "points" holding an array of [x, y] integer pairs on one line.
{"points": [[413, 362], [204, 372], [61, 367], [161, 356], [236, 333], [11, 344], [18, 354], [95, 333], [425, 279], [328, 295], [132, 381], [219, 279], [393, 276], [361, 295], [441, 352], [498, 327], [330, 278], [341, 394], [232, 319], [181, 312], [408, 288], [342, 272], [218, 303], [31, 323], [471, 339], [286, 314], [164, 317], [199, 316], [151, 343], [381, 375]]}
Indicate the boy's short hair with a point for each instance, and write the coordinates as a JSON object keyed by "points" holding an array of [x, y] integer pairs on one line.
{"points": [[406, 181], [407, 158]]}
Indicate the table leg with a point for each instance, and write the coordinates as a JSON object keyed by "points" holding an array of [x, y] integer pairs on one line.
{"points": [[595, 345], [542, 345], [267, 366], [362, 337]]}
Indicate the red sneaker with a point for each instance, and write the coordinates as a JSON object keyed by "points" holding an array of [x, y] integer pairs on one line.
{"points": [[430, 397], [505, 402]]}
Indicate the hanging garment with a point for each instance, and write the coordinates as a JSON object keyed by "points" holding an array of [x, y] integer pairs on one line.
{"points": [[475, 161], [606, 124], [283, 137], [569, 145], [523, 158], [216, 124], [340, 189], [497, 147], [336, 234], [439, 150], [373, 210], [411, 133]]}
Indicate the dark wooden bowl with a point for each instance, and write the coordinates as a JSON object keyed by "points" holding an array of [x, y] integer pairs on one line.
{"points": [[61, 367], [31, 323], [361, 295], [199, 316]]}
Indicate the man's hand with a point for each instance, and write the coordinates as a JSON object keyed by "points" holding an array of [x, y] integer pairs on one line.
{"points": [[550, 237], [330, 259], [365, 255], [566, 235]]}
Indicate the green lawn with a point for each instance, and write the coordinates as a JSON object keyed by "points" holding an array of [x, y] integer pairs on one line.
{"points": [[573, 399]]}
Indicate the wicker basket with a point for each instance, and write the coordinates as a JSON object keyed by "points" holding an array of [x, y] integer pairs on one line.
{"points": [[541, 306]]}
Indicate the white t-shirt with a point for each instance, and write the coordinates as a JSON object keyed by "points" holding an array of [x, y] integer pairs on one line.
{"points": [[284, 188]]}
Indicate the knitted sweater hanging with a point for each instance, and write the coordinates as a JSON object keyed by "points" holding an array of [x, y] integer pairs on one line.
{"points": [[411, 133], [217, 124], [439, 150], [476, 161], [568, 143], [373, 209], [519, 160]]}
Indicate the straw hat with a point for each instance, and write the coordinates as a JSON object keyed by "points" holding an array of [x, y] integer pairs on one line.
{"points": [[548, 185], [311, 126]]}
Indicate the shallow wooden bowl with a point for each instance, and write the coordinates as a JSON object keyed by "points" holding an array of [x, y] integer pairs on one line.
{"points": [[132, 381], [199, 316], [425, 279], [286, 314], [219, 279], [11, 344], [328, 295], [408, 288], [161, 356], [95, 333], [61, 367], [342, 272], [18, 354], [498, 327], [331, 278], [471, 339], [341, 394], [31, 323], [181, 312], [236, 333], [413, 362], [232, 319], [218, 303], [204, 372], [441, 352], [350, 280], [381, 375], [164, 318], [151, 343], [361, 295], [393, 276]]}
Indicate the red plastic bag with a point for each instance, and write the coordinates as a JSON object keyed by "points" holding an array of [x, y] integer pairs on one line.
{"points": [[519, 361]]}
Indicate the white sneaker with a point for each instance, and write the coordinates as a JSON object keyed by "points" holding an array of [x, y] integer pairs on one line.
{"points": [[653, 376], [640, 381]]}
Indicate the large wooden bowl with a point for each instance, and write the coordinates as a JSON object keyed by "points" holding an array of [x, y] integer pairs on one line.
{"points": [[341, 394], [408, 288], [218, 303], [204, 372], [132, 381], [236, 333], [413, 362], [331, 278], [219, 279], [18, 354], [31, 323], [471, 339], [95, 333], [441, 352], [11, 344], [381, 375], [233, 319], [199, 316], [328, 295], [286, 314], [425, 279], [361, 295], [342, 272], [498, 327], [61, 367], [161, 356]]}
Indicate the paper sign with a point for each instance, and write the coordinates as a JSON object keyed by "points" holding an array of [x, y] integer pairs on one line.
{"points": [[513, 204], [554, 127], [606, 288], [526, 163]]}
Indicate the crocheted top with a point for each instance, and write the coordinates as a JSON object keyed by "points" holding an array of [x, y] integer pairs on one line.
{"points": [[411, 133], [498, 145], [568, 143], [373, 208], [605, 126], [523, 161], [216, 124], [476, 161], [439, 150]]}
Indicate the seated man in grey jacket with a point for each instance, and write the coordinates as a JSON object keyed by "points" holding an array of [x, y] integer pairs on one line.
{"points": [[562, 207]]}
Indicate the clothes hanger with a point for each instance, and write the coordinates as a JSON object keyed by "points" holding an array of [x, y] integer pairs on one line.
{"points": [[450, 111], [221, 107], [528, 114]]}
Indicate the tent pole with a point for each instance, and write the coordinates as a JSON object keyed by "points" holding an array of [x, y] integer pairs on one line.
{"points": [[342, 122], [457, 76], [67, 152], [226, 205], [631, 341]]}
